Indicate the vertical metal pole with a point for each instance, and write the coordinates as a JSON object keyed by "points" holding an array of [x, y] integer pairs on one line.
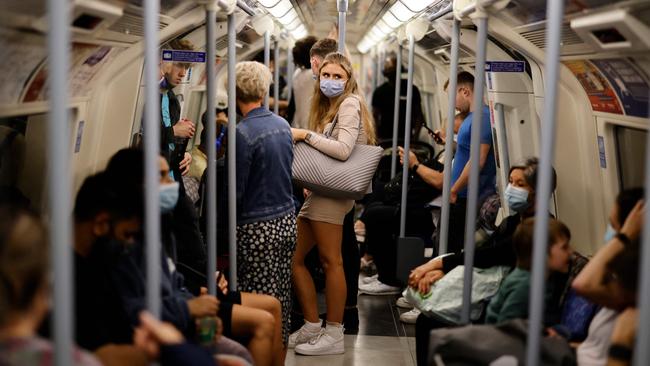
{"points": [[375, 81], [449, 142], [407, 137], [398, 85], [554, 15], [290, 71], [210, 20], [276, 77], [59, 176], [151, 154], [642, 351], [232, 151], [501, 120], [267, 60], [342, 7], [475, 149]]}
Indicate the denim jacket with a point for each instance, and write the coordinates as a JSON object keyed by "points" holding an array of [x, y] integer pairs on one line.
{"points": [[264, 159]]}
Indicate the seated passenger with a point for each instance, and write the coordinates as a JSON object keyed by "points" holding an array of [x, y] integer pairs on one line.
{"points": [[624, 269], [595, 281], [381, 221], [105, 223], [511, 301], [244, 315], [25, 292], [498, 250]]}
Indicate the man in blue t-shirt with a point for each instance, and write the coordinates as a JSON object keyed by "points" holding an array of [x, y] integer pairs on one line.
{"points": [[461, 165]]}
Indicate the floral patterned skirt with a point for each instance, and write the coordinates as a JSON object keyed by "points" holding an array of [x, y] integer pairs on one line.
{"points": [[264, 253]]}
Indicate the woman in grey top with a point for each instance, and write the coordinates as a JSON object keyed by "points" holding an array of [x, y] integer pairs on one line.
{"points": [[320, 221]]}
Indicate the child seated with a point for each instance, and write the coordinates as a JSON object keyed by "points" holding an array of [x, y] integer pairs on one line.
{"points": [[511, 301]]}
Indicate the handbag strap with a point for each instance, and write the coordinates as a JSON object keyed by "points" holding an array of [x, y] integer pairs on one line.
{"points": [[328, 134]]}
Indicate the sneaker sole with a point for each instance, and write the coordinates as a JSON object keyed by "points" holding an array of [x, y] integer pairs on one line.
{"points": [[404, 305], [408, 321], [319, 353]]}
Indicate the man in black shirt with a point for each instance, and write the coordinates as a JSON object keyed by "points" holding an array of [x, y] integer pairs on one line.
{"points": [[383, 103]]}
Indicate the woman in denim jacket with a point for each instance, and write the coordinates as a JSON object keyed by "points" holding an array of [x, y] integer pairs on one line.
{"points": [[266, 224]]}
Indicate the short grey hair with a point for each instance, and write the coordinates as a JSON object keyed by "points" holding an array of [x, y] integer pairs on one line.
{"points": [[252, 81]]}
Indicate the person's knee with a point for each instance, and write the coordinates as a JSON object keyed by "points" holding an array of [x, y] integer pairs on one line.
{"points": [[331, 262], [265, 326]]}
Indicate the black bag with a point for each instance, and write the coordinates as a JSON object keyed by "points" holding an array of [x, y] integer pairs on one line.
{"points": [[419, 191]]}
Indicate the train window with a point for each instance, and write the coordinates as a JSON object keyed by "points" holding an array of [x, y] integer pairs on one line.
{"points": [[22, 158], [630, 151]]}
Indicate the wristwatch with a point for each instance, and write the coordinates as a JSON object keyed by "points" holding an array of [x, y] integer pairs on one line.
{"points": [[308, 137], [625, 240], [415, 167]]}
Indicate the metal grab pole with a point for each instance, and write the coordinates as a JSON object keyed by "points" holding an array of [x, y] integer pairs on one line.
{"points": [[449, 143], [232, 151], [290, 71], [58, 43], [267, 60], [342, 7], [151, 154], [554, 15], [501, 121], [407, 137], [210, 85], [642, 351], [398, 85], [276, 77], [475, 155]]}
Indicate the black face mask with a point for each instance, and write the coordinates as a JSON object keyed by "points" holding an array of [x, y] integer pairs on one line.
{"points": [[107, 247]]}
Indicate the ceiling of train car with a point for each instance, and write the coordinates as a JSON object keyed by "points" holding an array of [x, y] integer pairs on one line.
{"points": [[321, 15]]}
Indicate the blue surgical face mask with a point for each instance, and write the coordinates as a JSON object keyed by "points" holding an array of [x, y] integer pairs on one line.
{"points": [[517, 198], [332, 88], [168, 196], [609, 234]]}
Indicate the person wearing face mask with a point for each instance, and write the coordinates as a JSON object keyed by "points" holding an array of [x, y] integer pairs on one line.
{"points": [[497, 249], [599, 284], [338, 109], [106, 224]]}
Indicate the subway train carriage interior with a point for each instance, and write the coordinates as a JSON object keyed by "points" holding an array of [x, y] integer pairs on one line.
{"points": [[331, 182]]}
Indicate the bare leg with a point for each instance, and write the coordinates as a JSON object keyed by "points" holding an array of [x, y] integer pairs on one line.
{"points": [[260, 325], [302, 281], [328, 240], [273, 306]]}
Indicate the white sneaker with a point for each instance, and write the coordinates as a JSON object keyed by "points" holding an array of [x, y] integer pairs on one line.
{"points": [[410, 317], [328, 342], [379, 288], [303, 335], [403, 303], [370, 279]]}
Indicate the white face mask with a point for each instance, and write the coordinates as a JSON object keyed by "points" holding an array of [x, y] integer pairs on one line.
{"points": [[517, 198], [609, 233]]}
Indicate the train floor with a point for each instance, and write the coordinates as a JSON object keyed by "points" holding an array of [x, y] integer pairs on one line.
{"points": [[382, 339]]}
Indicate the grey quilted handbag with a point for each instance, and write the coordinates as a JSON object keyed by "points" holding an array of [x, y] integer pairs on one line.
{"points": [[329, 177]]}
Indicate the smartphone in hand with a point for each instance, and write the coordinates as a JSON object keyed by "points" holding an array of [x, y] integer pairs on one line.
{"points": [[434, 134]]}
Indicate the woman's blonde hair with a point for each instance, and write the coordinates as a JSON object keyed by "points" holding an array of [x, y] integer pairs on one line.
{"points": [[323, 111], [252, 80]]}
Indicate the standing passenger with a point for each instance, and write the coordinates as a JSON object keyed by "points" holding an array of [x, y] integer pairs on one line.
{"points": [[320, 221], [461, 166], [266, 225], [303, 81]]}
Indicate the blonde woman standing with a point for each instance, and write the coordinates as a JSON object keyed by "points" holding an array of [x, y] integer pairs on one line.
{"points": [[337, 108]]}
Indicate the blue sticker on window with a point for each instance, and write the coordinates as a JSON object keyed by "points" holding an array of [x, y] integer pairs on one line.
{"points": [[505, 66], [601, 152], [183, 56]]}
